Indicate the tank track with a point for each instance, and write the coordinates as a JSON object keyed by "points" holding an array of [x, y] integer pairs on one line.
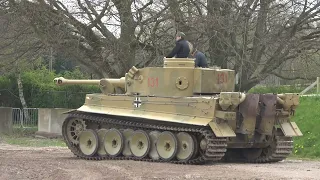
{"points": [[216, 147], [283, 148]]}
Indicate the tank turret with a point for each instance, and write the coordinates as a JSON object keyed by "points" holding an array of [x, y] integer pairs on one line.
{"points": [[177, 77], [180, 114]]}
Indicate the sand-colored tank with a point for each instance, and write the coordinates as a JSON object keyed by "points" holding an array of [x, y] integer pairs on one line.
{"points": [[180, 114]]}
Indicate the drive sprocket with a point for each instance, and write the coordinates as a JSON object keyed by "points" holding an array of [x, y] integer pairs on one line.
{"points": [[75, 127]]}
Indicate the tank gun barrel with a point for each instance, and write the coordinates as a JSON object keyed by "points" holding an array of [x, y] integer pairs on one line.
{"points": [[62, 81], [106, 85], [115, 82]]}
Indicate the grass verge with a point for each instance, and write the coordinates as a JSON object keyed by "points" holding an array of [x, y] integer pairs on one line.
{"points": [[307, 118], [33, 142], [25, 137]]}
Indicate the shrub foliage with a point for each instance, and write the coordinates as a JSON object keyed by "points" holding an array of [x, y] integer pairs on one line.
{"points": [[41, 92]]}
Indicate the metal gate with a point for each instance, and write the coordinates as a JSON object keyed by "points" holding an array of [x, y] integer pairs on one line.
{"points": [[26, 117]]}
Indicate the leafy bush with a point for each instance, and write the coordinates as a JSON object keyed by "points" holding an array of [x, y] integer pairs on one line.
{"points": [[41, 92]]}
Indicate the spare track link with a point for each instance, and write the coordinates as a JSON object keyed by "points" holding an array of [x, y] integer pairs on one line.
{"points": [[283, 149], [216, 147]]}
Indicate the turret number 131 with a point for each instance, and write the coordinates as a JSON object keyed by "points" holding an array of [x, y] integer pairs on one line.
{"points": [[153, 82]]}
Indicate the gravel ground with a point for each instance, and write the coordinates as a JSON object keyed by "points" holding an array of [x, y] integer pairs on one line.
{"points": [[58, 163]]}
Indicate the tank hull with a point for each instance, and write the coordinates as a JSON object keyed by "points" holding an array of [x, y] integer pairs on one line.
{"points": [[193, 126], [185, 110]]}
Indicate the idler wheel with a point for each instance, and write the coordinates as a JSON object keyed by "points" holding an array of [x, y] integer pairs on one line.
{"points": [[186, 146], [153, 153], [140, 144], [88, 142], [113, 142], [167, 145]]}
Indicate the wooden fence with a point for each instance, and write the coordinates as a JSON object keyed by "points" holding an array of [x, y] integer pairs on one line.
{"points": [[316, 83]]}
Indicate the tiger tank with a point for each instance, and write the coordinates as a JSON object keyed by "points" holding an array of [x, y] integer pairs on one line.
{"points": [[179, 113]]}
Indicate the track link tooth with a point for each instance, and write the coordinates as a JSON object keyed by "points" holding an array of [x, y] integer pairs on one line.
{"points": [[216, 150]]}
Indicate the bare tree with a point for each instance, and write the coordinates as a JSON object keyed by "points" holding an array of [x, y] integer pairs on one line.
{"points": [[17, 42], [253, 37], [84, 29], [258, 36]]}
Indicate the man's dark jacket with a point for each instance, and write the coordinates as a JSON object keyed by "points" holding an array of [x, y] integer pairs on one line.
{"points": [[201, 60], [181, 50]]}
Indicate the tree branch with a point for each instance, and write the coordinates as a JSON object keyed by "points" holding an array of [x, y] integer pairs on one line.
{"points": [[292, 78]]}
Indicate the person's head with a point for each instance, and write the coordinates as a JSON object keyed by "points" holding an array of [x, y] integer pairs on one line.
{"points": [[180, 35]]}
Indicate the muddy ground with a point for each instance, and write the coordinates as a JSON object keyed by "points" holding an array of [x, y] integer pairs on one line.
{"points": [[58, 163]]}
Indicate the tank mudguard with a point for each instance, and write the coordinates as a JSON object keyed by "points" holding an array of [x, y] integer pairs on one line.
{"points": [[69, 111], [290, 129], [221, 129]]}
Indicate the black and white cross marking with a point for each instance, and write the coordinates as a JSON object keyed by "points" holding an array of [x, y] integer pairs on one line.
{"points": [[137, 102]]}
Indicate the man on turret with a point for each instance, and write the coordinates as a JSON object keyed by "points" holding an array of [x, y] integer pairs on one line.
{"points": [[201, 60], [182, 48]]}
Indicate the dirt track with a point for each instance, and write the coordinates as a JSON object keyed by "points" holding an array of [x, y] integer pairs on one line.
{"points": [[58, 163]]}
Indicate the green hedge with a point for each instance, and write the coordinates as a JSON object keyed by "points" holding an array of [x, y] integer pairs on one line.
{"points": [[41, 92]]}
